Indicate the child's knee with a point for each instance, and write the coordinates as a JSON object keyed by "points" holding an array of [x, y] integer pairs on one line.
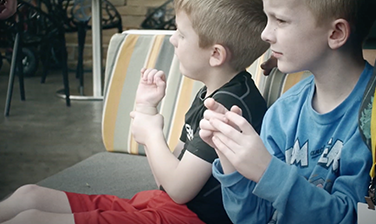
{"points": [[28, 216], [27, 190], [29, 194]]}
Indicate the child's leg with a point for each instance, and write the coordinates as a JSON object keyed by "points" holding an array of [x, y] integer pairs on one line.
{"points": [[40, 217], [33, 197]]}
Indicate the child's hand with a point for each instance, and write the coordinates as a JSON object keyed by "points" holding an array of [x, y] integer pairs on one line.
{"points": [[144, 126], [207, 131], [241, 145], [214, 110], [150, 91]]}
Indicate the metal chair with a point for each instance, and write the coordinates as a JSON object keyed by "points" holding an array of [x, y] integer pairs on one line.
{"points": [[33, 27], [75, 16], [162, 18]]}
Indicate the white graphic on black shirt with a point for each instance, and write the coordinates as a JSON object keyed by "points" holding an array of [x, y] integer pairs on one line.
{"points": [[189, 131]]}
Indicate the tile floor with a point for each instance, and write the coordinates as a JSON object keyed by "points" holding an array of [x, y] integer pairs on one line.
{"points": [[42, 136]]}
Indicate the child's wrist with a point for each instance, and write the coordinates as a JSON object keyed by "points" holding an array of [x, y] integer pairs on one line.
{"points": [[146, 109]]}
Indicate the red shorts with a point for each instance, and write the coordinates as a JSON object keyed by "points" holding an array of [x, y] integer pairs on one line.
{"points": [[154, 207]]}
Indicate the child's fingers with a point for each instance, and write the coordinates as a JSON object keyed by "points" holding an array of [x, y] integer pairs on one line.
{"points": [[160, 74], [221, 142], [144, 74], [150, 75], [206, 126], [147, 75], [213, 105], [160, 78], [210, 114], [206, 136], [227, 130], [240, 122], [236, 110]]}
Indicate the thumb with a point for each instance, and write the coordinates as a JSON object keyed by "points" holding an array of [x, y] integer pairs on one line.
{"points": [[213, 105], [237, 110]]}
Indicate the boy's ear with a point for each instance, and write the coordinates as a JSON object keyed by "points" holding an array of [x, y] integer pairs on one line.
{"points": [[218, 55], [340, 33]]}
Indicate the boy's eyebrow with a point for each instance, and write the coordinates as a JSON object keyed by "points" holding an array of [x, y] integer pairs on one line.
{"points": [[271, 14], [180, 31]]}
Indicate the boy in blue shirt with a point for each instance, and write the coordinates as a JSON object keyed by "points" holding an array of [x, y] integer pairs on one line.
{"points": [[309, 164], [215, 42]]}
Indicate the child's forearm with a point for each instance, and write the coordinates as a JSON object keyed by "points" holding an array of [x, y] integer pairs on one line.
{"points": [[151, 167], [164, 166]]}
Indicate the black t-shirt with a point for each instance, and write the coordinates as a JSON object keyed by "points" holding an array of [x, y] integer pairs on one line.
{"points": [[240, 91]]}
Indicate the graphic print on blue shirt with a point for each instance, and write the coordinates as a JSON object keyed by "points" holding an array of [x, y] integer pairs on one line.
{"points": [[329, 158]]}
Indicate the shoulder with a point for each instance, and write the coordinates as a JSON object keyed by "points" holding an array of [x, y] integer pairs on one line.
{"points": [[300, 91], [241, 90]]}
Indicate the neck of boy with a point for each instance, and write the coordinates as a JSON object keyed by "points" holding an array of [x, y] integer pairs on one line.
{"points": [[335, 81], [217, 77]]}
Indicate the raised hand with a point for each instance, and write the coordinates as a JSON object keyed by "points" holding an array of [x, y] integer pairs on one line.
{"points": [[207, 131], [214, 110], [241, 145], [150, 91]]}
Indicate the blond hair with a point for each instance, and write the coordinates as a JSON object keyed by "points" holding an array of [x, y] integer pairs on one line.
{"points": [[360, 14], [235, 24]]}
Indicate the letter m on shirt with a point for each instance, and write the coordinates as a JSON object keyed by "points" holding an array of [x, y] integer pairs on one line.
{"points": [[297, 154]]}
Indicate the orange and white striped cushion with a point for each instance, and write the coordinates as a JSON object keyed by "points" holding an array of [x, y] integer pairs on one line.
{"points": [[134, 50]]}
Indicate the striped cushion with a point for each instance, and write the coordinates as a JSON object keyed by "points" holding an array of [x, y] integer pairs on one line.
{"points": [[131, 51], [277, 83]]}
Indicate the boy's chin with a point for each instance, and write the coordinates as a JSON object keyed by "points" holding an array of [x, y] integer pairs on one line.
{"points": [[286, 68]]}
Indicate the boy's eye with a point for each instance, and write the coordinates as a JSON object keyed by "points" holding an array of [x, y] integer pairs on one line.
{"points": [[280, 21]]}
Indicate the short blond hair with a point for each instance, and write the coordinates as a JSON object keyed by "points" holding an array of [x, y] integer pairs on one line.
{"points": [[360, 14], [235, 24]]}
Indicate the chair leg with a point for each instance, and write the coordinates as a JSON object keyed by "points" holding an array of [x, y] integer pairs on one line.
{"points": [[46, 65], [64, 69], [80, 63], [12, 73], [20, 72]]}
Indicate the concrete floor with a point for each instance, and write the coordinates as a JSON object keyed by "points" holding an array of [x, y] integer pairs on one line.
{"points": [[42, 135]]}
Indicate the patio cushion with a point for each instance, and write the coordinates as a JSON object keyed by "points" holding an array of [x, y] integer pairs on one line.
{"points": [[134, 50]]}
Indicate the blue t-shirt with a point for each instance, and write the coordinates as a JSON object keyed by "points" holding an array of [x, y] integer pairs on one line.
{"points": [[319, 170]]}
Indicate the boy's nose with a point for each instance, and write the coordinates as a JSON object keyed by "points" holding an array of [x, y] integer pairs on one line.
{"points": [[267, 34], [173, 39]]}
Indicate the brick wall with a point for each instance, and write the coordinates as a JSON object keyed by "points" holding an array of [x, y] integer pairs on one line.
{"points": [[133, 13]]}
